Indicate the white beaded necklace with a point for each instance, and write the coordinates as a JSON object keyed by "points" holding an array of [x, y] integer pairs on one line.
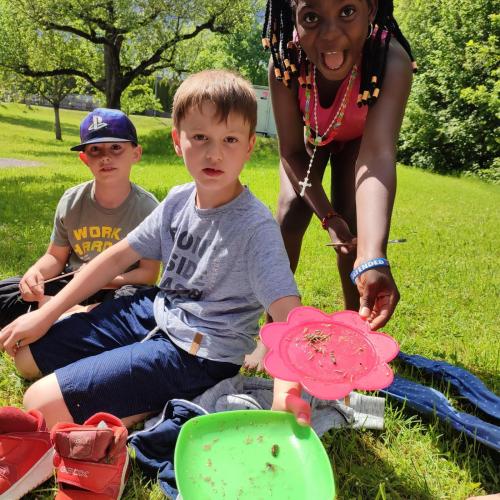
{"points": [[336, 122]]}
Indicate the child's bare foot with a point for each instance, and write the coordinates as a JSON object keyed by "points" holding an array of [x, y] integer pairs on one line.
{"points": [[254, 361]]}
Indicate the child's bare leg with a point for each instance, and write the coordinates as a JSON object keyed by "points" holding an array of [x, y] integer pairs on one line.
{"points": [[25, 364], [344, 202], [45, 395], [293, 216], [135, 419], [345, 264]]}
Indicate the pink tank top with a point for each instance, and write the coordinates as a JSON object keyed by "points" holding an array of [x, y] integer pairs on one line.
{"points": [[354, 120], [353, 124]]}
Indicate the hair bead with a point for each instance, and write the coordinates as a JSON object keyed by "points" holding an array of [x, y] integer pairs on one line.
{"points": [[287, 55], [266, 44]]}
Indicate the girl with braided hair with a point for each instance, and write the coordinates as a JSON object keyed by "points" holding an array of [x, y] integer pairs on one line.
{"points": [[340, 75]]}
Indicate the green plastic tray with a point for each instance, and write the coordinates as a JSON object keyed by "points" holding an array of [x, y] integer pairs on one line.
{"points": [[254, 454]]}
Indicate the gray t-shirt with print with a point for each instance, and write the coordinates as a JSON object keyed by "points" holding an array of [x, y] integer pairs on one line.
{"points": [[88, 228], [222, 267]]}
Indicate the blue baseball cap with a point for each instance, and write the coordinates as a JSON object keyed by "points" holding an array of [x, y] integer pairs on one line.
{"points": [[106, 125]]}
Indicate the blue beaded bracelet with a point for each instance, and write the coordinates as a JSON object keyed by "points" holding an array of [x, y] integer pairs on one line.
{"points": [[369, 264]]}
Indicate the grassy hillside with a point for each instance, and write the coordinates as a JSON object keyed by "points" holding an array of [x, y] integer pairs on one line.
{"points": [[447, 273]]}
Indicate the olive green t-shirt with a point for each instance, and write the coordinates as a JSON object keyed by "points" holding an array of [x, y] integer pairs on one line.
{"points": [[88, 228]]}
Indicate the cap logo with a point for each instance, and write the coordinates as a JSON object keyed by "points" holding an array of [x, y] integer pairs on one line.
{"points": [[97, 123]]}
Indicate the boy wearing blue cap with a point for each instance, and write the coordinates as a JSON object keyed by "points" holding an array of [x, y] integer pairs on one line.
{"points": [[89, 218]]}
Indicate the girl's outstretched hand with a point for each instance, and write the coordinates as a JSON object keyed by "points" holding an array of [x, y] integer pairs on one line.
{"points": [[339, 232], [379, 296]]}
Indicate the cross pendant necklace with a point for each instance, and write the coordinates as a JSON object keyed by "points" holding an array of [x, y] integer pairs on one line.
{"points": [[318, 140], [305, 183]]}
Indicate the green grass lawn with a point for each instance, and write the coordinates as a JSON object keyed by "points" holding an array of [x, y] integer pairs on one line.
{"points": [[447, 273]]}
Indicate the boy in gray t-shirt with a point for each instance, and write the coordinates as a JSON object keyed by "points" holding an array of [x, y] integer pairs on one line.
{"points": [[224, 263], [89, 218]]}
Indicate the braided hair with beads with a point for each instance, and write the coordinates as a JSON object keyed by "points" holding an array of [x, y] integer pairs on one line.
{"points": [[290, 61]]}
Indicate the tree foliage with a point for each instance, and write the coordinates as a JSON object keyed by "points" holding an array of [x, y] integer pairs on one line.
{"points": [[116, 41], [139, 97], [239, 51], [451, 122], [22, 45]]}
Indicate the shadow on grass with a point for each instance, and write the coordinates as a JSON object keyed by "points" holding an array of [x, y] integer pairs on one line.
{"points": [[478, 459], [158, 143], [39, 124], [24, 189], [12, 386], [360, 471], [456, 447], [26, 216]]}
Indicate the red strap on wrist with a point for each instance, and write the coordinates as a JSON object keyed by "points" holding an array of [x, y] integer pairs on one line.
{"points": [[329, 215]]}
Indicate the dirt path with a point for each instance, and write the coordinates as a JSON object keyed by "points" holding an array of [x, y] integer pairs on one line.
{"points": [[12, 162]]}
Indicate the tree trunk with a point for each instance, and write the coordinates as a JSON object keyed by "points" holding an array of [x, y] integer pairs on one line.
{"points": [[57, 122], [112, 72]]}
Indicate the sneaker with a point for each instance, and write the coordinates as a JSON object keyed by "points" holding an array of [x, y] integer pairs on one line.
{"points": [[91, 460], [25, 452]]}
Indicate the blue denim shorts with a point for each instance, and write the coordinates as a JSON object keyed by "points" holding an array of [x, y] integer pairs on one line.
{"points": [[103, 363]]}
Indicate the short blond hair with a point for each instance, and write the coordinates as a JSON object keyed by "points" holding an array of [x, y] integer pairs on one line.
{"points": [[228, 91]]}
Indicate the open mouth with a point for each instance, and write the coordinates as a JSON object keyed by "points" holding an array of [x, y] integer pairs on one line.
{"points": [[333, 60], [107, 169], [212, 172]]}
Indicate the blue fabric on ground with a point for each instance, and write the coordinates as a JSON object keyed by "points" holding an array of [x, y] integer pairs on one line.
{"points": [[467, 385], [154, 447], [429, 401]]}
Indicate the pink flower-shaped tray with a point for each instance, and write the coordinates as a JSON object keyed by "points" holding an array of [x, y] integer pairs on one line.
{"points": [[329, 354]]}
